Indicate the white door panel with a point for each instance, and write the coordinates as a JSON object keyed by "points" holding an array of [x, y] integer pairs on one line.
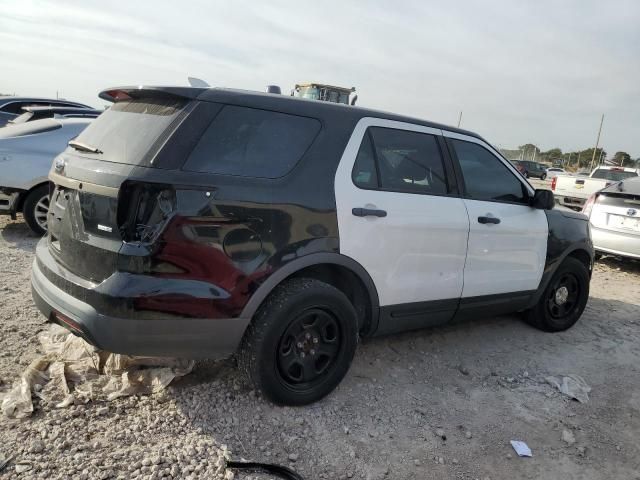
{"points": [[504, 257], [416, 252]]}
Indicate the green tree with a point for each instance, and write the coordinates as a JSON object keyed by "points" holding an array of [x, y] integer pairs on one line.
{"points": [[529, 151], [551, 155], [623, 159]]}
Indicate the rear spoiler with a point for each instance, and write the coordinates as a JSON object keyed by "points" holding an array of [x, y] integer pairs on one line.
{"points": [[117, 94]]}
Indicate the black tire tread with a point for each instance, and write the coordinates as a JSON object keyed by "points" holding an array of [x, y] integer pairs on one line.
{"points": [[536, 317], [257, 330]]}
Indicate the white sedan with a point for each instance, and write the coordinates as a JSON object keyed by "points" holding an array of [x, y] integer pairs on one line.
{"points": [[554, 172]]}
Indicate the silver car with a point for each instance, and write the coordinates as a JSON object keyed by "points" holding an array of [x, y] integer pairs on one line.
{"points": [[26, 153], [11, 107], [614, 216]]}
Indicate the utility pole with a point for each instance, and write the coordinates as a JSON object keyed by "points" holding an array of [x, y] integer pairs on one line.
{"points": [[578, 165], [593, 157], [459, 118]]}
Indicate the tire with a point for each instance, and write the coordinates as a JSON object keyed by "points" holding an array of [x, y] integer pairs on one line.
{"points": [[543, 176], [549, 314], [526, 174], [35, 209], [301, 342]]}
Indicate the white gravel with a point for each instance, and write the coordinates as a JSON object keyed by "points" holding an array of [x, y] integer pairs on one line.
{"points": [[435, 404]]}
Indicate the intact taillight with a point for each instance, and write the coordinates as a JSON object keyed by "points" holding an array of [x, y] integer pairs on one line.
{"points": [[588, 206], [554, 180]]}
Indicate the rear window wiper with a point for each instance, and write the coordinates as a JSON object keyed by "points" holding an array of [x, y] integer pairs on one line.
{"points": [[83, 147]]}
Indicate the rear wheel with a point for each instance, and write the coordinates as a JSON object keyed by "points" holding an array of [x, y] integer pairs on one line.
{"points": [[543, 176], [301, 342], [36, 208], [564, 299]]}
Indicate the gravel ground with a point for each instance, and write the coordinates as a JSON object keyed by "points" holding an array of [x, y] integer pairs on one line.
{"points": [[440, 403]]}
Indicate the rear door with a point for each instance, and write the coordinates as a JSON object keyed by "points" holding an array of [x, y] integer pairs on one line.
{"points": [[507, 238], [399, 216]]}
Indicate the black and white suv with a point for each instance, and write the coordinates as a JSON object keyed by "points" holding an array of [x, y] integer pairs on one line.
{"points": [[207, 222]]}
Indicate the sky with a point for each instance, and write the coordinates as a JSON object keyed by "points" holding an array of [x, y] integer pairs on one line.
{"points": [[521, 72]]}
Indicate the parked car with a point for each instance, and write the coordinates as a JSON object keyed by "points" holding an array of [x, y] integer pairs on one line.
{"points": [[614, 215], [553, 172], [26, 153], [533, 169], [573, 192], [283, 229], [38, 113], [11, 106]]}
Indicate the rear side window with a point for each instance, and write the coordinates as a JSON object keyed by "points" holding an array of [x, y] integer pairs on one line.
{"points": [[249, 142], [485, 176], [407, 161], [127, 131]]}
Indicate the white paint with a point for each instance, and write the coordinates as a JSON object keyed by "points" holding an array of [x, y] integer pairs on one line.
{"points": [[417, 252], [509, 256]]}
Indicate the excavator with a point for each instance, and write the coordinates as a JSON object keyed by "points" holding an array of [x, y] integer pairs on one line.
{"points": [[325, 93]]}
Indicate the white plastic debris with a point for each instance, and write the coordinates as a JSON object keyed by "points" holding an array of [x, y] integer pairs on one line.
{"points": [[573, 386], [71, 370], [521, 448]]}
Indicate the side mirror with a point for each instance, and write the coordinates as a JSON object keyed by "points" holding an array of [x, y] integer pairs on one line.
{"points": [[543, 200]]}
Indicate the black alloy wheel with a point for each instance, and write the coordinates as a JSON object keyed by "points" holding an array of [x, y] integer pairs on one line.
{"points": [[300, 343]]}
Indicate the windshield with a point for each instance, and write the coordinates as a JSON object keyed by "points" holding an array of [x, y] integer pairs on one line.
{"points": [[311, 93], [126, 132], [615, 175]]}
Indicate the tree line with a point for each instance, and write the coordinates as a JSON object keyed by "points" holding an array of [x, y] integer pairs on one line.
{"points": [[575, 159]]}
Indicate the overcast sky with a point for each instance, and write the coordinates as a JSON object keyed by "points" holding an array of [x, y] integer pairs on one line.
{"points": [[521, 71]]}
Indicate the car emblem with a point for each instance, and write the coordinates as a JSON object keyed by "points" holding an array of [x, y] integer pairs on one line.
{"points": [[631, 212], [59, 164]]}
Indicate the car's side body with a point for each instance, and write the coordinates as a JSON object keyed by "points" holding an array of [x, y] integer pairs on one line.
{"points": [[192, 285], [26, 153], [614, 216]]}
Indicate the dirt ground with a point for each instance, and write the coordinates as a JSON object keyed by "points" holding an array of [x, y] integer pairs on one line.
{"points": [[434, 404]]}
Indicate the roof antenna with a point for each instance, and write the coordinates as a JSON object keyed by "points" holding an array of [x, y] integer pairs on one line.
{"points": [[198, 83]]}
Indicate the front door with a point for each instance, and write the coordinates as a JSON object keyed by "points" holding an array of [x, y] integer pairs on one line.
{"points": [[507, 237], [400, 218]]}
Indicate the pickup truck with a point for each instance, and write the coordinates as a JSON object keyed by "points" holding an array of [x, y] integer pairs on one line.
{"points": [[573, 191]]}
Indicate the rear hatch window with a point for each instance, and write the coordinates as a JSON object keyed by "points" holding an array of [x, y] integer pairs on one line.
{"points": [[614, 175], [129, 130]]}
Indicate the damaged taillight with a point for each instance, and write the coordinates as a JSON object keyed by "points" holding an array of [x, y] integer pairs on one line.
{"points": [[144, 209], [588, 206]]}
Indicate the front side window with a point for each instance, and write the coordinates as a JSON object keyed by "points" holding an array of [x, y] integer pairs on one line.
{"points": [[407, 161], [485, 176], [249, 142]]}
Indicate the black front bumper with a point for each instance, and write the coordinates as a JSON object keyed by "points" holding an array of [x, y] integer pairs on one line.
{"points": [[154, 336]]}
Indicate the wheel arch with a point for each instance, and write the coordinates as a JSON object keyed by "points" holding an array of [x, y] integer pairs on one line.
{"points": [[582, 252], [338, 270], [26, 193]]}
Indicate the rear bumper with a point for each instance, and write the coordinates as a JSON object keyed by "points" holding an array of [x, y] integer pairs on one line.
{"points": [[616, 243], [160, 335], [571, 202]]}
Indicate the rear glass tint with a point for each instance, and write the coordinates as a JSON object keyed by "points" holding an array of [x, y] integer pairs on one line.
{"points": [[249, 142], [126, 132], [615, 175]]}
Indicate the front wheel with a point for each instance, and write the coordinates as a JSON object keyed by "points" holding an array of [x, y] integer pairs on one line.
{"points": [[564, 299], [301, 342], [36, 208]]}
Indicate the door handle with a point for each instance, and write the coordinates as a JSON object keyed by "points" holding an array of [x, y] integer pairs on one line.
{"points": [[368, 212], [486, 220]]}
